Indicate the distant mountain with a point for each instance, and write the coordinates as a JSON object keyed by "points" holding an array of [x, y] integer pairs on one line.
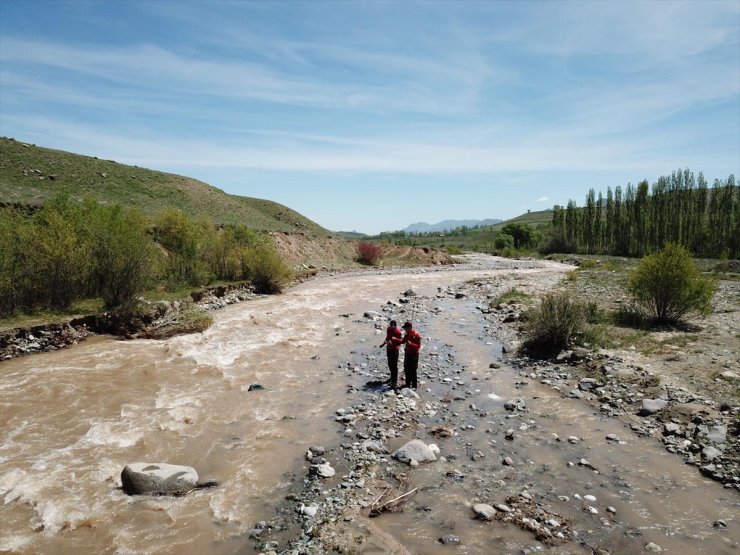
{"points": [[448, 225]]}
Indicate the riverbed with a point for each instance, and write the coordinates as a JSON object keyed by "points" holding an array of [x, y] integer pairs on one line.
{"points": [[74, 418]]}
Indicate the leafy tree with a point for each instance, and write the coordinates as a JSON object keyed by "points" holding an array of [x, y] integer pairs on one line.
{"points": [[123, 254], [523, 234], [184, 242], [667, 286], [60, 255], [503, 241]]}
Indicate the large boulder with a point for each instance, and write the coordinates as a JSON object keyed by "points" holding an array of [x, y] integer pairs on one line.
{"points": [[158, 479]]}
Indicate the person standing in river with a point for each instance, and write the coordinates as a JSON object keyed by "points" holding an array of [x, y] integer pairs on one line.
{"points": [[412, 340], [392, 345]]}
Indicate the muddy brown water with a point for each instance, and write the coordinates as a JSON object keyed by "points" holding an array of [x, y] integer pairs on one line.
{"points": [[72, 419]]}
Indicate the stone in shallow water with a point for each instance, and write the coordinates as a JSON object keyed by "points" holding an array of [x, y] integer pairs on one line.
{"points": [[416, 450], [158, 479], [484, 511]]}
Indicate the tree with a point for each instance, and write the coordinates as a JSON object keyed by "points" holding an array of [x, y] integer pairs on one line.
{"points": [[122, 252], [523, 234], [667, 286]]}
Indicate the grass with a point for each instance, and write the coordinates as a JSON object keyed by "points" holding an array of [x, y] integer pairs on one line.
{"points": [[43, 317], [512, 294], [29, 175]]}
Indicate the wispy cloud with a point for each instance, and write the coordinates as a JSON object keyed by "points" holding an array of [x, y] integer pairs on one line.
{"points": [[542, 199]]}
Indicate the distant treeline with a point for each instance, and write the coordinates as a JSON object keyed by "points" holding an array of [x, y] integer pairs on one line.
{"points": [[681, 209], [67, 251]]}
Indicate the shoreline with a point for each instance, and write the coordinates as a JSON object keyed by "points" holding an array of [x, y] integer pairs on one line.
{"points": [[322, 515]]}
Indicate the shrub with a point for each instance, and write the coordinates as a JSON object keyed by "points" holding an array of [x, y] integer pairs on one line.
{"points": [[667, 286], [552, 325], [184, 241], [123, 254], [267, 271], [503, 241], [60, 256], [368, 253]]}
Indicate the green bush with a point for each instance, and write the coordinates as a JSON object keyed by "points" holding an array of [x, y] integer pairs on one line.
{"points": [[553, 325], [185, 243], [503, 241], [123, 254], [667, 286], [267, 271], [59, 257]]}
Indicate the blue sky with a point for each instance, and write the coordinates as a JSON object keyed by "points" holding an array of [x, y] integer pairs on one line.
{"points": [[370, 116]]}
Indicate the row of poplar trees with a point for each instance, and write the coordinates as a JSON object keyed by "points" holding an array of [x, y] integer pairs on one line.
{"points": [[681, 209]]}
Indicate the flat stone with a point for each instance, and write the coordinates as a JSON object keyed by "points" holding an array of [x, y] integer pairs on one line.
{"points": [[484, 511], [415, 450]]}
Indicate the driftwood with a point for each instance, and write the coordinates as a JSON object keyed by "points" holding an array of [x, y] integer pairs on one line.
{"points": [[392, 505]]}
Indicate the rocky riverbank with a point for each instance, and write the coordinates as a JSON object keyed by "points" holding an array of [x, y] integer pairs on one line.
{"points": [[483, 462], [154, 319]]}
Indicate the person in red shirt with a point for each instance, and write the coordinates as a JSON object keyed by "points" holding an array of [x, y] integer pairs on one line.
{"points": [[412, 340], [392, 346]]}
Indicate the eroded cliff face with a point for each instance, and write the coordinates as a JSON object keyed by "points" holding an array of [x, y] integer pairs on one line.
{"points": [[304, 251]]}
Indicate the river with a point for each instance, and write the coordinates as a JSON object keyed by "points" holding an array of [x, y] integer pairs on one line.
{"points": [[72, 419]]}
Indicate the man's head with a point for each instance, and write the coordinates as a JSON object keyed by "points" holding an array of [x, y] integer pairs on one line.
{"points": [[393, 323], [407, 326]]}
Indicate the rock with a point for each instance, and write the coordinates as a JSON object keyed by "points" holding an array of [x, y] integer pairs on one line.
{"points": [[671, 429], [652, 406], [653, 548], [373, 446], [587, 384], [612, 437], [255, 387], [515, 404], [507, 461], [484, 511], [729, 375], [715, 434], [503, 508], [309, 510], [322, 470], [449, 539], [416, 450], [711, 453], [409, 293], [158, 479]]}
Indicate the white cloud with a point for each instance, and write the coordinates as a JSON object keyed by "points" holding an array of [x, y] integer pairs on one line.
{"points": [[542, 199]]}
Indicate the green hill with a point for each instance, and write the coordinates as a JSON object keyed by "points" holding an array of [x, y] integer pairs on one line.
{"points": [[29, 175]]}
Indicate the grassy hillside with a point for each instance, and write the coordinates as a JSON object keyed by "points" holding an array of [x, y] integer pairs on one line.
{"points": [[30, 174]]}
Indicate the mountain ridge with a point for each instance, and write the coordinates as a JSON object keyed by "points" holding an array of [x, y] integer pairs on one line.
{"points": [[448, 225]]}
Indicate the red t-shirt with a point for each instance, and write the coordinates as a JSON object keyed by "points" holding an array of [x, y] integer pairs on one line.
{"points": [[413, 342], [393, 338]]}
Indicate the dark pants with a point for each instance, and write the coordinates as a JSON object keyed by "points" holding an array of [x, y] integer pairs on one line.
{"points": [[410, 363], [393, 365]]}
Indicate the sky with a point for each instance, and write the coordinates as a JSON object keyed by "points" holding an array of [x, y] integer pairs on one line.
{"points": [[372, 115]]}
